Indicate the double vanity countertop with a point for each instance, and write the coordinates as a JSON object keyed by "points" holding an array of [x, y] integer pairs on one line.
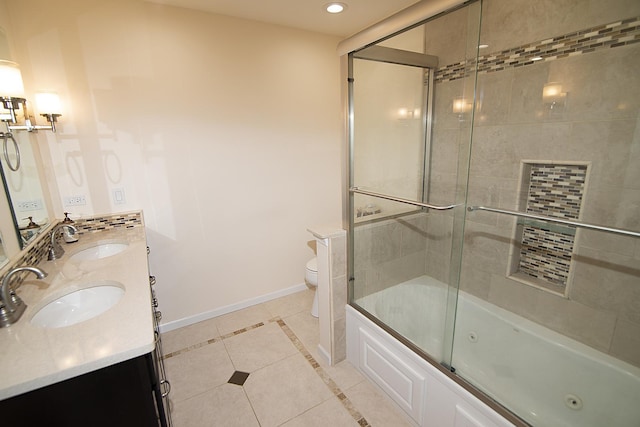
{"points": [[34, 356]]}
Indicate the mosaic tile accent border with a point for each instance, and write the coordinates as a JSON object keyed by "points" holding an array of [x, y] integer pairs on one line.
{"points": [[335, 389], [108, 222], [214, 340], [324, 376], [39, 249], [554, 190], [612, 35]]}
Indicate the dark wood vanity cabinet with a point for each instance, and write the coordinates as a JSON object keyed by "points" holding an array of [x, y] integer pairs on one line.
{"points": [[133, 393], [124, 394]]}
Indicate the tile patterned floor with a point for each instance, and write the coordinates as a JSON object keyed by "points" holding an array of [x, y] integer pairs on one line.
{"points": [[288, 384]]}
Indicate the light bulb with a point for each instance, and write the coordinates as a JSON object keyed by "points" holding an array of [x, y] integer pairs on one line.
{"points": [[11, 85], [48, 103], [335, 7]]}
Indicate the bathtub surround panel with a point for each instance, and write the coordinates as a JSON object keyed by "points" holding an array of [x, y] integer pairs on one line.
{"points": [[526, 367], [421, 390], [380, 365]]}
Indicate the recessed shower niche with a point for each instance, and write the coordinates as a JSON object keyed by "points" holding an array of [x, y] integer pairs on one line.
{"points": [[542, 256]]}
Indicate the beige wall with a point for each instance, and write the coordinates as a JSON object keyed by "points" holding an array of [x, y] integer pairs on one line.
{"points": [[225, 132]]}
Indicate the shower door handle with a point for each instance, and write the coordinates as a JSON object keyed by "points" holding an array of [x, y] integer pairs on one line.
{"points": [[401, 200], [557, 220]]}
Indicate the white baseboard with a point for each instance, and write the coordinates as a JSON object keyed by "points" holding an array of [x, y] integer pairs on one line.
{"points": [[186, 321]]}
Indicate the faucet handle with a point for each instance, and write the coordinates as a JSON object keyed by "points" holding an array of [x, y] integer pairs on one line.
{"points": [[12, 306], [56, 251], [66, 219]]}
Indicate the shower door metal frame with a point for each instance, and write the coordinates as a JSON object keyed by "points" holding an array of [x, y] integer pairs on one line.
{"points": [[399, 57], [428, 63]]}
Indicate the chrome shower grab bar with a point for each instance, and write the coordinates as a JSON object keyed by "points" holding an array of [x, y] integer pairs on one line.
{"points": [[558, 221], [401, 200]]}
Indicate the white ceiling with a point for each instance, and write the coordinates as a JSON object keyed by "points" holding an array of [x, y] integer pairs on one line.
{"points": [[304, 14]]}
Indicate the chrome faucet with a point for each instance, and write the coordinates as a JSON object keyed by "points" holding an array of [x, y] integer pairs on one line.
{"points": [[12, 306], [56, 251]]}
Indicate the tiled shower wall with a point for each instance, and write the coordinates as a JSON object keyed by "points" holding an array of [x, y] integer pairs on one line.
{"points": [[598, 125], [389, 252]]}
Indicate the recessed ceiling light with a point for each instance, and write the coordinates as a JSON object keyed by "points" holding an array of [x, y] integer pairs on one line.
{"points": [[335, 7]]}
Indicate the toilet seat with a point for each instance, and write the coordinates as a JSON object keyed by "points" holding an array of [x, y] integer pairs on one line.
{"points": [[311, 273], [311, 277]]}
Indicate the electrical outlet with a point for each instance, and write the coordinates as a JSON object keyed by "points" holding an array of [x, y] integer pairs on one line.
{"points": [[29, 205], [79, 200], [119, 197]]}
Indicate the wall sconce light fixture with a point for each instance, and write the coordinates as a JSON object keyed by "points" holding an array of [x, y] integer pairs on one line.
{"points": [[552, 95], [408, 113], [12, 98], [461, 106]]}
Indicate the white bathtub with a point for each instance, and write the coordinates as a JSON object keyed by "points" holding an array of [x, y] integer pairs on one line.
{"points": [[544, 377]]}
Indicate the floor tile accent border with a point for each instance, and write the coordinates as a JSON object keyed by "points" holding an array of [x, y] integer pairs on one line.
{"points": [[324, 376], [213, 340], [335, 389]]}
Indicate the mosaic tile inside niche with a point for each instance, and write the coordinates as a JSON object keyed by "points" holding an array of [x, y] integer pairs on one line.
{"points": [[546, 255], [553, 190], [612, 35], [556, 190]]}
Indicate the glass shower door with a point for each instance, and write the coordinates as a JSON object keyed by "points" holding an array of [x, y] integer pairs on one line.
{"points": [[548, 313], [410, 136]]}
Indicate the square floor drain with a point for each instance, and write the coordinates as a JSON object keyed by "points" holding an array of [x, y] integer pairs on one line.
{"points": [[238, 378]]}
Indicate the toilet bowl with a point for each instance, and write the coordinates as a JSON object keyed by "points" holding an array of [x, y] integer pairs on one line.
{"points": [[311, 277]]}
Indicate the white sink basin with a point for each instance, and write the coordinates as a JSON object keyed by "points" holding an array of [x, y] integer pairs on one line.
{"points": [[99, 251], [79, 305]]}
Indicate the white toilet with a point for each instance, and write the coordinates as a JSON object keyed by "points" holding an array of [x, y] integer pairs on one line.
{"points": [[311, 277]]}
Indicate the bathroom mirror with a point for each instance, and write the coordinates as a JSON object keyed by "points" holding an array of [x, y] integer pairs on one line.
{"points": [[23, 186], [4, 259]]}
